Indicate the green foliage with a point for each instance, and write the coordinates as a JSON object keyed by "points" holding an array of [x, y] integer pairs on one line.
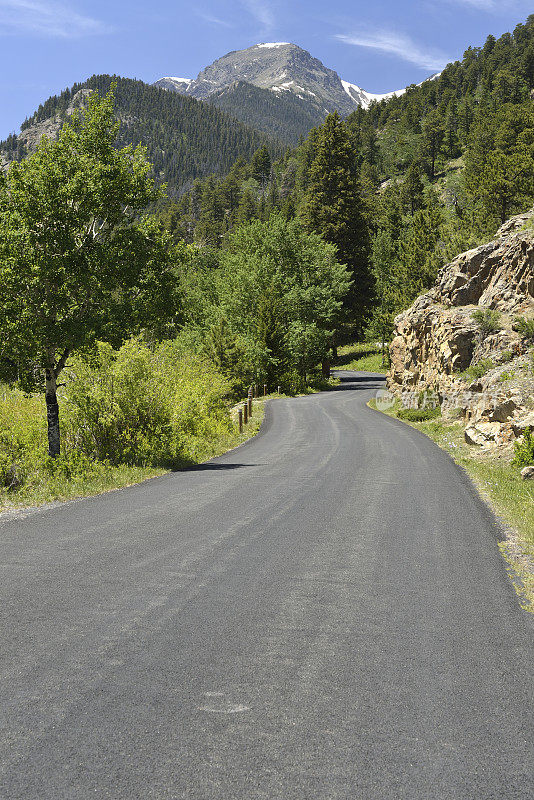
{"points": [[280, 292], [144, 406], [475, 371], [419, 250], [418, 414], [76, 260], [488, 320], [333, 205], [412, 189], [524, 450], [260, 166], [362, 356], [525, 327], [22, 437], [500, 162]]}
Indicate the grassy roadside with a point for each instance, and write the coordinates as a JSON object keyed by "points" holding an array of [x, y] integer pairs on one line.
{"points": [[501, 486], [365, 357], [107, 478]]}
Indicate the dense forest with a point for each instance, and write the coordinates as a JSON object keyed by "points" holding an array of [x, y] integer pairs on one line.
{"points": [[283, 115], [185, 139]]}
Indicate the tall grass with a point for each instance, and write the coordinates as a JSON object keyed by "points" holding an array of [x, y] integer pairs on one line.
{"points": [[126, 415]]}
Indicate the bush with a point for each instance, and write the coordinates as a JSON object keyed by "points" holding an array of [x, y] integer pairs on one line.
{"points": [[418, 414], [478, 370], [488, 320], [143, 406], [23, 445], [525, 327], [524, 450]]}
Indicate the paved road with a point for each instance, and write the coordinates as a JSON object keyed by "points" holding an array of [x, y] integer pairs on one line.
{"points": [[322, 614]]}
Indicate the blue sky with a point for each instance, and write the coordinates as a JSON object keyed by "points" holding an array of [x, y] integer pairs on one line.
{"points": [[46, 45]]}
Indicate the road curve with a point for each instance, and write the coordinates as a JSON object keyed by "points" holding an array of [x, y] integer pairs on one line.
{"points": [[321, 614]]}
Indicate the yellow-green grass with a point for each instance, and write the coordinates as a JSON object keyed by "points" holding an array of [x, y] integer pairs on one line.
{"points": [[501, 486], [48, 489], [362, 356]]}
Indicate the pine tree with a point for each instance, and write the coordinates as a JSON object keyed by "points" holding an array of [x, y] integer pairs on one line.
{"points": [[412, 189], [433, 133], [261, 165], [333, 206]]}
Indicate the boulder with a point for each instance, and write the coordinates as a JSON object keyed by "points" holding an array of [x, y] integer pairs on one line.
{"points": [[521, 424], [482, 433], [527, 473], [503, 410]]}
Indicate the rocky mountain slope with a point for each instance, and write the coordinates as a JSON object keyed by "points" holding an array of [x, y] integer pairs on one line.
{"points": [[285, 70], [485, 378]]}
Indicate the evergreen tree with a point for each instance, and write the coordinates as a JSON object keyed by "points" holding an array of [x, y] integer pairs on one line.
{"points": [[333, 206], [433, 133], [412, 191], [419, 251], [261, 165]]}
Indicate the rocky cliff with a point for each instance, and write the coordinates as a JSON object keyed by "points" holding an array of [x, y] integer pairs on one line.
{"points": [[484, 376]]}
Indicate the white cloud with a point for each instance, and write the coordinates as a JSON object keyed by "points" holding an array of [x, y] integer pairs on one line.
{"points": [[485, 5], [46, 19], [261, 11], [214, 20], [495, 6], [396, 44]]}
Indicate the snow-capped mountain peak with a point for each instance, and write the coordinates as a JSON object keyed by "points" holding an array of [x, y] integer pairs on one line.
{"points": [[272, 45], [283, 68]]}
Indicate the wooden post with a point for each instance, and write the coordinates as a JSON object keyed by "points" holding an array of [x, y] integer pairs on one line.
{"points": [[278, 390], [265, 390], [250, 407], [240, 415], [245, 413]]}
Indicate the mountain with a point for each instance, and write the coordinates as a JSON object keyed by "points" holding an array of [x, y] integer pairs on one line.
{"points": [[285, 116], [285, 71], [185, 139]]}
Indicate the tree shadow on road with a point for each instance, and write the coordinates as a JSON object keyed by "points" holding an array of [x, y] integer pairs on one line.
{"points": [[359, 383], [210, 466]]}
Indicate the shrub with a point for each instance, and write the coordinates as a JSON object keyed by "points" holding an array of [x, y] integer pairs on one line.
{"points": [[525, 327], [478, 370], [487, 319], [22, 438], [524, 450], [144, 406], [418, 414]]}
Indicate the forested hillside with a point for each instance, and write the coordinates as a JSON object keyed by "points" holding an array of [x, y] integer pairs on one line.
{"points": [[283, 115], [185, 139]]}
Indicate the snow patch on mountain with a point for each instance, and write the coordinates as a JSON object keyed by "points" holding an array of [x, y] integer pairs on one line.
{"points": [[178, 80], [363, 98], [272, 45]]}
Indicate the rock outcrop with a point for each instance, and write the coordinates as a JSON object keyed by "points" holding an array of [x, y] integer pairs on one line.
{"points": [[488, 380]]}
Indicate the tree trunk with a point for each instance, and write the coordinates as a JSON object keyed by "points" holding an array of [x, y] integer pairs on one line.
{"points": [[52, 412]]}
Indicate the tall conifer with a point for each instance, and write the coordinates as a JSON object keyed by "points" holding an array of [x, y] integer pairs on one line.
{"points": [[334, 207]]}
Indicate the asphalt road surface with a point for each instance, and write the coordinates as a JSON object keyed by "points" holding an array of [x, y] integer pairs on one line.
{"points": [[321, 614]]}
